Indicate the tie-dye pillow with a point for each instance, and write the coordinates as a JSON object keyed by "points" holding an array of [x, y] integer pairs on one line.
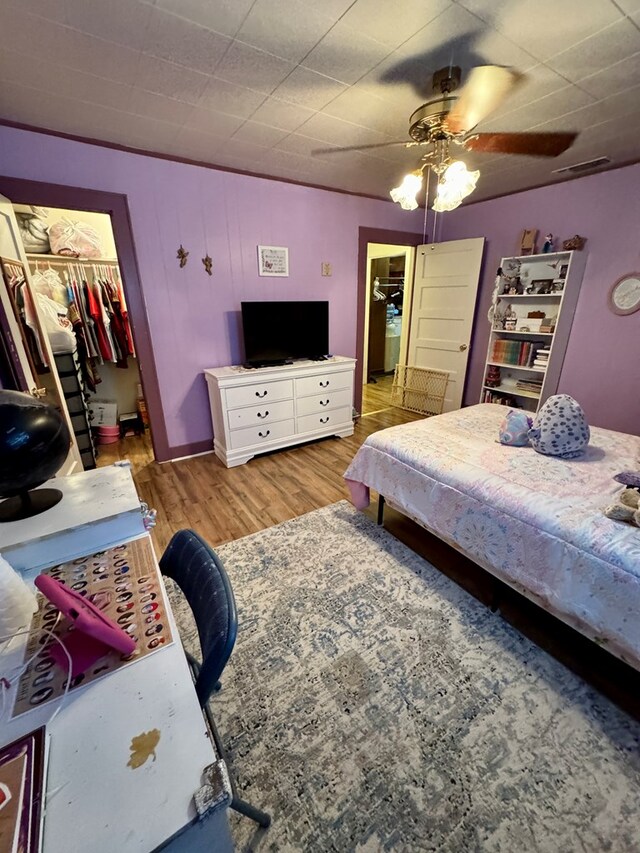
{"points": [[560, 428], [514, 429]]}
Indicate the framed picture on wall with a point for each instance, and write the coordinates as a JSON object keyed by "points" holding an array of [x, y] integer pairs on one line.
{"points": [[273, 261]]}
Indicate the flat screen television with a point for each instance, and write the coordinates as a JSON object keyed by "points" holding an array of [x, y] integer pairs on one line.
{"points": [[277, 332]]}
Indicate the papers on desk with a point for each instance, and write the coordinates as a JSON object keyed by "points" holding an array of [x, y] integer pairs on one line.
{"points": [[22, 787], [123, 582]]}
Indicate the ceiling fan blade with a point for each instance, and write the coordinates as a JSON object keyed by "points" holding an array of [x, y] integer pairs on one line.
{"points": [[533, 144], [334, 150], [486, 87]]}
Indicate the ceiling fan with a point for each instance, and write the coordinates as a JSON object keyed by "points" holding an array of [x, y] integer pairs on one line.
{"points": [[451, 116]]}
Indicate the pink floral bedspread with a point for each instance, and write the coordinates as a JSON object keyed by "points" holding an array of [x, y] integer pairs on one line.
{"points": [[534, 521]]}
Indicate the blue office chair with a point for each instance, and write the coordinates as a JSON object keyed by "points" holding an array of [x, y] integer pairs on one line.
{"points": [[195, 567]]}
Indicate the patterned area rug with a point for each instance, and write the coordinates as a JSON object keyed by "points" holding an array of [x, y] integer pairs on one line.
{"points": [[371, 704]]}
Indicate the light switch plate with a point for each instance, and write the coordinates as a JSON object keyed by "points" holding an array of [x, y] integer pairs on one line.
{"points": [[326, 268]]}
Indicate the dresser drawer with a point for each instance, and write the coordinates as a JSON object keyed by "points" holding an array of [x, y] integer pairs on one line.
{"points": [[325, 420], [330, 381], [324, 402], [256, 415], [264, 434], [251, 395]]}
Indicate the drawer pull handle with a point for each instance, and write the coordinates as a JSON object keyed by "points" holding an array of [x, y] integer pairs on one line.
{"points": [[324, 384], [324, 420], [264, 434], [263, 414], [324, 402], [261, 394]]}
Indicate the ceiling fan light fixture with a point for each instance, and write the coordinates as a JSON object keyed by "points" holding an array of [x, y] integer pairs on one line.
{"points": [[455, 184], [405, 194]]}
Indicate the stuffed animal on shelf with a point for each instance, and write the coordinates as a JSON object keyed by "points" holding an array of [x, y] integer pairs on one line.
{"points": [[628, 506]]}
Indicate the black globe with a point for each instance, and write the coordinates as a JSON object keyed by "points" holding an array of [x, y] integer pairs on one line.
{"points": [[34, 442]]}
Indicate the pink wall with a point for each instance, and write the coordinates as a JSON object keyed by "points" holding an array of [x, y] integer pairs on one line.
{"points": [[602, 365], [193, 318]]}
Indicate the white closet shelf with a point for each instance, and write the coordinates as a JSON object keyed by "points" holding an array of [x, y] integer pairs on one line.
{"points": [[67, 259], [529, 295], [540, 256], [516, 366], [513, 392], [518, 332]]}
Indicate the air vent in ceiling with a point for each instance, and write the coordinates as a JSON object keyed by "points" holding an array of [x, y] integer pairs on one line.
{"points": [[585, 166]]}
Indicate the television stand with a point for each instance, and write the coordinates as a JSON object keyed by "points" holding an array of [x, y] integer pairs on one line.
{"points": [[256, 411]]}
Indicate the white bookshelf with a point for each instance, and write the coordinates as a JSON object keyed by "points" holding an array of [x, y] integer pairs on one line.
{"points": [[560, 304]]}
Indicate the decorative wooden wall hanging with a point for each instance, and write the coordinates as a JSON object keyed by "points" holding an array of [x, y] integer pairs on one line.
{"points": [[182, 256]]}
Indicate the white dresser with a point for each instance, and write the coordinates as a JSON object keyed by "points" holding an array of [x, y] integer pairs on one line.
{"points": [[268, 408]]}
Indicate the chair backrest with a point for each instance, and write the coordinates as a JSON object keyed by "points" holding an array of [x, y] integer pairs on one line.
{"points": [[195, 567]]}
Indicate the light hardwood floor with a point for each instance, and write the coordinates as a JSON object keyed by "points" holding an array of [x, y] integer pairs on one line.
{"points": [[227, 503], [224, 504], [376, 396]]}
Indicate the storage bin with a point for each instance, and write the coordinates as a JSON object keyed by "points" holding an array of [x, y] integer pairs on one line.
{"points": [[107, 429], [108, 439]]}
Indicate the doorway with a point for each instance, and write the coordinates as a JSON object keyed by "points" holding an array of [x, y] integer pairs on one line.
{"points": [[366, 235], [115, 205], [75, 270], [388, 294]]}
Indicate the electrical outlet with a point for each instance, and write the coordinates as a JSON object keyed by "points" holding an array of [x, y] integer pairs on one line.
{"points": [[326, 268]]}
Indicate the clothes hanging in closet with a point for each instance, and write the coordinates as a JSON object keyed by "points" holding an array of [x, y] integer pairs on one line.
{"points": [[98, 312], [25, 314]]}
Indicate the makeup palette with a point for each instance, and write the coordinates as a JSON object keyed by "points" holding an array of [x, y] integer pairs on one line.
{"points": [[122, 582]]}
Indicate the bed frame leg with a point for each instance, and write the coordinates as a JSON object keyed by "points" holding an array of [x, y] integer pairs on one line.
{"points": [[380, 508], [496, 596]]}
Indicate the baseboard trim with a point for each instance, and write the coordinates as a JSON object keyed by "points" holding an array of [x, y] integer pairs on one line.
{"points": [[186, 451]]}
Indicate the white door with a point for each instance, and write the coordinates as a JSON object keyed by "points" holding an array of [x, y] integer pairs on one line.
{"points": [[444, 298], [11, 248]]}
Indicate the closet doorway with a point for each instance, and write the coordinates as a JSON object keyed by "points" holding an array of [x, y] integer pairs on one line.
{"points": [[115, 206], [103, 396], [388, 297], [74, 266]]}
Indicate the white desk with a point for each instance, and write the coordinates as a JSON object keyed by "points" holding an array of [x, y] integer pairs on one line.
{"points": [[98, 509], [95, 801]]}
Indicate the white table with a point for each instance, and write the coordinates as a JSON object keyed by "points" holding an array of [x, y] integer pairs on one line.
{"points": [[94, 800]]}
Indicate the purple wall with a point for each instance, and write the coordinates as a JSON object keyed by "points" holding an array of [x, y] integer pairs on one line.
{"points": [[193, 318], [602, 365]]}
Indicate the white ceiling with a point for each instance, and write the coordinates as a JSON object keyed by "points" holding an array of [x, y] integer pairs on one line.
{"points": [[258, 85]]}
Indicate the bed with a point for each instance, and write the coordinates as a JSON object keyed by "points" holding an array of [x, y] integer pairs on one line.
{"points": [[535, 522]]}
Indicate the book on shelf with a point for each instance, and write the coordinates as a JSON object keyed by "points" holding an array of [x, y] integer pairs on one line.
{"points": [[526, 385], [504, 400], [534, 353], [513, 352]]}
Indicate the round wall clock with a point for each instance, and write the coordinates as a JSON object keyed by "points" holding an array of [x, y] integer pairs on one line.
{"points": [[624, 296]]}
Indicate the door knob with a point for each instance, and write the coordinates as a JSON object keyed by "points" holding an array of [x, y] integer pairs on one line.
{"points": [[38, 393], [462, 347]]}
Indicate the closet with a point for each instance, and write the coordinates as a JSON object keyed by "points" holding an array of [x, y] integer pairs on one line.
{"points": [[385, 313], [75, 280]]}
